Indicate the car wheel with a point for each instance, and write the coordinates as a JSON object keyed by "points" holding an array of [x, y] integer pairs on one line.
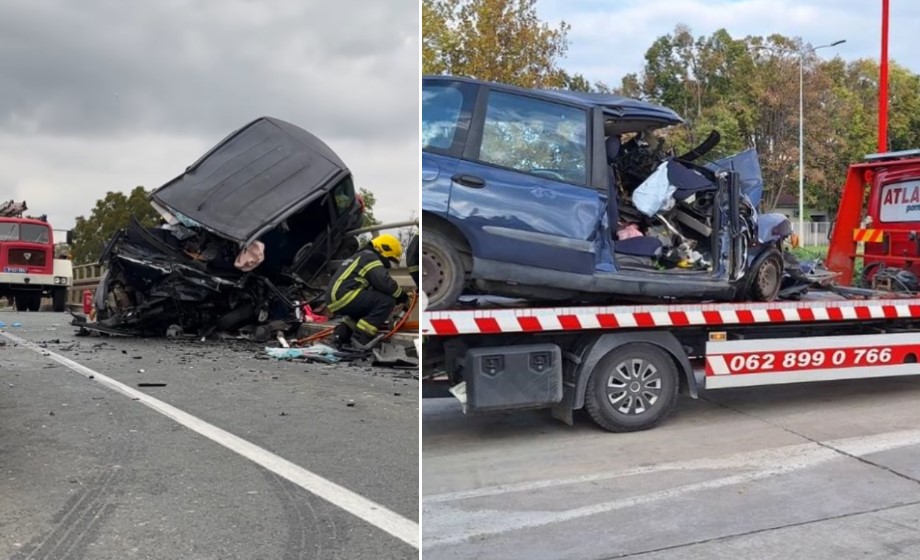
{"points": [[633, 387], [59, 300], [35, 302], [767, 276], [442, 270]]}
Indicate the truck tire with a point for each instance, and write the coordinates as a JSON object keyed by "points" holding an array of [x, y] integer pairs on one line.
{"points": [[59, 299], [442, 271], [22, 302], [634, 387], [35, 302], [766, 276]]}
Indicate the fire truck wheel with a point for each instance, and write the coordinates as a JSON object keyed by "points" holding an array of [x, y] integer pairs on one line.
{"points": [[22, 302], [442, 270], [35, 302], [634, 387], [59, 300]]}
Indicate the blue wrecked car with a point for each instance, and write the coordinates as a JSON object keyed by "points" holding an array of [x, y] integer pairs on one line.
{"points": [[560, 195]]}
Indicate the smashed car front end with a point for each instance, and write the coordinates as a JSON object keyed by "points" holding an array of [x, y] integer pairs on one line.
{"points": [[205, 271]]}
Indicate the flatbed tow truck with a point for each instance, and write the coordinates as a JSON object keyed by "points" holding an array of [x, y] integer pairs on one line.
{"points": [[626, 364]]}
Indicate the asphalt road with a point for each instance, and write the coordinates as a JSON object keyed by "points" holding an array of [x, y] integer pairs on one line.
{"points": [[821, 471], [89, 472]]}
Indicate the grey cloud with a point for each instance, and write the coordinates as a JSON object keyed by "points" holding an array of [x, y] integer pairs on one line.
{"points": [[101, 67], [102, 95]]}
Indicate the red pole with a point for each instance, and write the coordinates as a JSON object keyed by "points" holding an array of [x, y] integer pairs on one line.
{"points": [[883, 84]]}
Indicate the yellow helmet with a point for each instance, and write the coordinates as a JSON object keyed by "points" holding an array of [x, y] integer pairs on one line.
{"points": [[387, 246]]}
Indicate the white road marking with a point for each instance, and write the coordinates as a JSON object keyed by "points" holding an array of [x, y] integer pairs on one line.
{"points": [[455, 524], [371, 512]]}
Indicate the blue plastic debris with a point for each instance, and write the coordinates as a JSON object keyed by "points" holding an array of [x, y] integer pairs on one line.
{"points": [[319, 352], [17, 325], [2, 324]]}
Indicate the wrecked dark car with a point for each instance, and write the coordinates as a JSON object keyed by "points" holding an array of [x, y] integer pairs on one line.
{"points": [[249, 232], [557, 195]]}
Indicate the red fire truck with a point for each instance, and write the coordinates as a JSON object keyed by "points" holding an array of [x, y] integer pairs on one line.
{"points": [[29, 270]]}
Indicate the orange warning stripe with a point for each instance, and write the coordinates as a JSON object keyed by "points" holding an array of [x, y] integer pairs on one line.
{"points": [[868, 235]]}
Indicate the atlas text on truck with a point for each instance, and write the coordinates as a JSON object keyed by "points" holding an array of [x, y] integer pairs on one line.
{"points": [[29, 270]]}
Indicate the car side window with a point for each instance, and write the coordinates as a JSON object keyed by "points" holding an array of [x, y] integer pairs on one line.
{"points": [[535, 136], [441, 108]]}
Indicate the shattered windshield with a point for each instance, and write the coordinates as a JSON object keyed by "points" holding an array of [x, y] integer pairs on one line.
{"points": [[32, 233]]}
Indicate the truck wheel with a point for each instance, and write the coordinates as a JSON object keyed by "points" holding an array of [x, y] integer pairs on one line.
{"points": [[442, 271], [633, 387], [767, 276], [22, 302], [35, 302], [59, 299]]}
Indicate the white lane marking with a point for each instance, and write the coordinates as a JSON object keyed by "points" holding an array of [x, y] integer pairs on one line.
{"points": [[371, 512], [451, 525], [859, 446]]}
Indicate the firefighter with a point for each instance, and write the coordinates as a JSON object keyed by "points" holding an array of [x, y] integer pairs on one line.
{"points": [[412, 258], [363, 292]]}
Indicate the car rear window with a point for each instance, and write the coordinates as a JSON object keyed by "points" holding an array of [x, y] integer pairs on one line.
{"points": [[538, 137], [441, 107]]}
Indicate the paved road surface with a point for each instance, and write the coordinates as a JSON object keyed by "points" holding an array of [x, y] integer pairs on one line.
{"points": [[88, 472], [824, 471]]}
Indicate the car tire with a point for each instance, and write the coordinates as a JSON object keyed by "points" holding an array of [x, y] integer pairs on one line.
{"points": [[443, 276], [766, 276], [59, 300], [634, 387], [35, 302]]}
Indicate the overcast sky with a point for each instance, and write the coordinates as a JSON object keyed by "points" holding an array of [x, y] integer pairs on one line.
{"points": [[609, 37], [102, 95]]}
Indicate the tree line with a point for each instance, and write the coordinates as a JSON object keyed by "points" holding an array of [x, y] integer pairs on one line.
{"points": [[747, 88]]}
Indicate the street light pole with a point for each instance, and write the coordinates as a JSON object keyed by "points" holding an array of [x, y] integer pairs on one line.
{"points": [[802, 146], [802, 53]]}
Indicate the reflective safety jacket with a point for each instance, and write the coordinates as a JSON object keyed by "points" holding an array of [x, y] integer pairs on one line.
{"points": [[365, 270]]}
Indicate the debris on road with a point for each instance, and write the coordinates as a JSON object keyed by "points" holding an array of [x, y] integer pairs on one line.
{"points": [[151, 384], [249, 231], [318, 352]]}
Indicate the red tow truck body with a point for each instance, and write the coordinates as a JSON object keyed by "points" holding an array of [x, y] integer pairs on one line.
{"points": [[879, 208]]}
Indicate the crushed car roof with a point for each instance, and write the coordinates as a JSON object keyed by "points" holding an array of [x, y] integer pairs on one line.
{"points": [[624, 107], [253, 179]]}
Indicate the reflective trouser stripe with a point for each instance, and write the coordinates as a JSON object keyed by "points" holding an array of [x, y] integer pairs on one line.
{"points": [[366, 327]]}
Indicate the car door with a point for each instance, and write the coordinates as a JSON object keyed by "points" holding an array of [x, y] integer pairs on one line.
{"points": [[447, 107], [521, 192]]}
